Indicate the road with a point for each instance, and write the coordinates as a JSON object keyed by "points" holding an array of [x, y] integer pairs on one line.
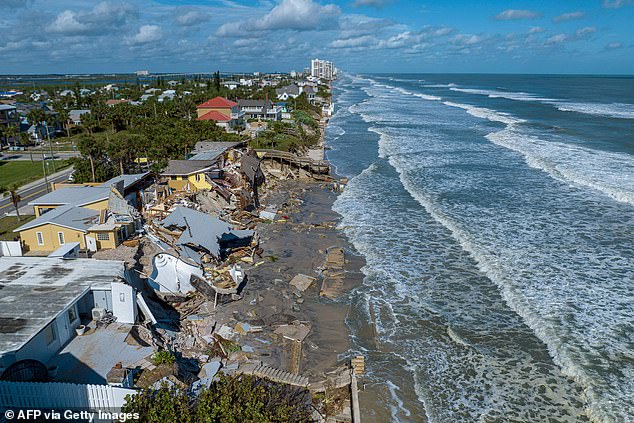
{"points": [[37, 155], [33, 191]]}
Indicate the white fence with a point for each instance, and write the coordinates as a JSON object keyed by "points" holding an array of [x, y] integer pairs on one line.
{"points": [[10, 248], [62, 396]]}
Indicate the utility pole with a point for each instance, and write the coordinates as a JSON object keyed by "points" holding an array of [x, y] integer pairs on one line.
{"points": [[44, 169], [50, 146]]}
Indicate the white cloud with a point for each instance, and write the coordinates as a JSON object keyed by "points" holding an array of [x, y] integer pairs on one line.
{"points": [[536, 30], [362, 41], [466, 39], [556, 39], [515, 14], [147, 34], [300, 15], [578, 35], [67, 23], [569, 16], [192, 17], [615, 4], [104, 17], [614, 46]]}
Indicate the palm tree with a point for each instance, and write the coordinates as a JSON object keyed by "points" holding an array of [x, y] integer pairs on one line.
{"points": [[12, 192]]}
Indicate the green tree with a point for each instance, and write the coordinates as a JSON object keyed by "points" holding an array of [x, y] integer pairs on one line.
{"points": [[12, 193], [90, 149], [230, 399]]}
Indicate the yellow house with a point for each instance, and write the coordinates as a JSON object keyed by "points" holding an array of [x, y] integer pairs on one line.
{"points": [[94, 230], [188, 175], [89, 195], [94, 198]]}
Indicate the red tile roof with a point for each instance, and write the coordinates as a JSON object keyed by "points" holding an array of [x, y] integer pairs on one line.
{"points": [[215, 115], [217, 102]]}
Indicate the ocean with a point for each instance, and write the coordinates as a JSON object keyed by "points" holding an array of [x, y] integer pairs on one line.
{"points": [[496, 217]]}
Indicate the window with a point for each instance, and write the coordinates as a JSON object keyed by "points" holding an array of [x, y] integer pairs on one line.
{"points": [[40, 238], [103, 236], [60, 237], [72, 314], [198, 177], [49, 334]]}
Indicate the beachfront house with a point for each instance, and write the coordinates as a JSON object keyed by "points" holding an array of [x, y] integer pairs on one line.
{"points": [[225, 113], [96, 217], [260, 109], [289, 91], [53, 300], [188, 175]]}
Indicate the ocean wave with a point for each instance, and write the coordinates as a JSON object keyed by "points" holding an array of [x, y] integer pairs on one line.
{"points": [[484, 113], [519, 96], [451, 85], [609, 173], [612, 110]]}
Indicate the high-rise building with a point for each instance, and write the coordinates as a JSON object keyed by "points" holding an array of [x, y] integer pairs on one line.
{"points": [[322, 69]]}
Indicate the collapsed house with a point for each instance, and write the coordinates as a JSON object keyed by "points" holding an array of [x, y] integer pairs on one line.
{"points": [[199, 240]]}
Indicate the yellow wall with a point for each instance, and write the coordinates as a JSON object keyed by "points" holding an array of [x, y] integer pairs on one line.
{"points": [[178, 182], [51, 241], [224, 110], [200, 182], [98, 205]]}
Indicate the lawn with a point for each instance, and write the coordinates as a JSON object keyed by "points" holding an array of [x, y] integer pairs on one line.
{"points": [[23, 171], [9, 223]]}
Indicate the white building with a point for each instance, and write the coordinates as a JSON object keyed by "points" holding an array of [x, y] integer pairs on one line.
{"points": [[322, 69]]}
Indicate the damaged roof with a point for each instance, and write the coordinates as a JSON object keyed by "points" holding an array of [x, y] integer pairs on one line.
{"points": [[78, 196], [68, 216], [208, 150], [35, 290], [128, 180], [186, 167], [202, 230]]}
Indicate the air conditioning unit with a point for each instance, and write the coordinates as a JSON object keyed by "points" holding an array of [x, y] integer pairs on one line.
{"points": [[98, 313]]}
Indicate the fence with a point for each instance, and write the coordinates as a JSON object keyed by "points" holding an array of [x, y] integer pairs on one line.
{"points": [[62, 396]]}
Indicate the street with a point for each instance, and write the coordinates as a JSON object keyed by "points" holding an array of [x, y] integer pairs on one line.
{"points": [[33, 191]]}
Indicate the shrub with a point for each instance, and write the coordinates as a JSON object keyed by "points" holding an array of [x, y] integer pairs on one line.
{"points": [[163, 357], [230, 399]]}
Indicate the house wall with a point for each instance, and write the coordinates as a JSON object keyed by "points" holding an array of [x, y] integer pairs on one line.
{"points": [[198, 180], [38, 347], [97, 205], [204, 110], [51, 240]]}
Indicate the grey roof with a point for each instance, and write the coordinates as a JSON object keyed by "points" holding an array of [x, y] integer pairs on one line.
{"points": [[291, 89], [209, 150], [68, 216], [128, 180], [7, 107], [201, 229], [254, 103], [186, 167], [64, 249], [73, 195], [35, 290], [76, 114]]}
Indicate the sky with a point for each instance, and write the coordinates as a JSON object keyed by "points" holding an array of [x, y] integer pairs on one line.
{"points": [[495, 36]]}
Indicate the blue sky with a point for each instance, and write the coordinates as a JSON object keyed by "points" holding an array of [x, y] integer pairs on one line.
{"points": [[499, 36]]}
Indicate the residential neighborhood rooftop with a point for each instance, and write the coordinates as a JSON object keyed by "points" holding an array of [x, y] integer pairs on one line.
{"points": [[73, 195], [68, 216], [35, 290], [186, 167], [218, 102]]}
